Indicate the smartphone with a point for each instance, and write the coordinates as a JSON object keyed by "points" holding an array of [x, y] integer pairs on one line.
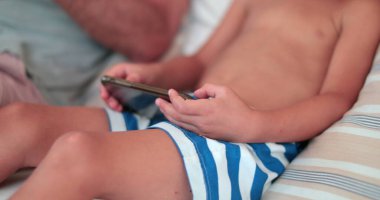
{"points": [[124, 90]]}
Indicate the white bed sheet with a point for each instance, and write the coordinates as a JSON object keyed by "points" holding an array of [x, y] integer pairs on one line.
{"points": [[8, 187], [192, 38]]}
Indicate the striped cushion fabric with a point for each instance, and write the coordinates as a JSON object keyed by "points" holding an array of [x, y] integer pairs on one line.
{"points": [[344, 161]]}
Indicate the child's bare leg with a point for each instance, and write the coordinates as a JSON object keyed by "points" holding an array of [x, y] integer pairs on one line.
{"points": [[134, 165], [28, 131]]}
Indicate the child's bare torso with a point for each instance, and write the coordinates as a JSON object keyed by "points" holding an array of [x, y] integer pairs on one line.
{"points": [[282, 52]]}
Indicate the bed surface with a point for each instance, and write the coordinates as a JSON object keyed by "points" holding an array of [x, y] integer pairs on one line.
{"points": [[8, 187]]}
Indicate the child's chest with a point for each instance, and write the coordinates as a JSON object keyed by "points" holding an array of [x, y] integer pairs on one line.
{"points": [[297, 20]]}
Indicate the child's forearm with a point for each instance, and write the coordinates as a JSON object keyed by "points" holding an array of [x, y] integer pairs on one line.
{"points": [[301, 121], [181, 73]]}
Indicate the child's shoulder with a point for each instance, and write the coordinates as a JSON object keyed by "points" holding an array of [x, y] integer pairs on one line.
{"points": [[368, 8], [361, 12]]}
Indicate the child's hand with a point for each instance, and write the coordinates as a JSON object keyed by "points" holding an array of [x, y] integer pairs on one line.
{"points": [[218, 113], [141, 73]]}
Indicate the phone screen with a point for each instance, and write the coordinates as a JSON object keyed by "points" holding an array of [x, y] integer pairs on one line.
{"points": [[135, 95], [131, 99]]}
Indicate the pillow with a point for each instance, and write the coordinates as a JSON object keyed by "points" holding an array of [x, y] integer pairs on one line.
{"points": [[203, 17], [344, 161], [198, 25]]}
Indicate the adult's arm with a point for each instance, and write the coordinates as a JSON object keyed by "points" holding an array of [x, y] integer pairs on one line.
{"points": [[141, 29]]}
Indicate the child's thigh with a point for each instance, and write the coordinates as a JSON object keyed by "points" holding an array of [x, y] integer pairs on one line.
{"points": [[143, 165]]}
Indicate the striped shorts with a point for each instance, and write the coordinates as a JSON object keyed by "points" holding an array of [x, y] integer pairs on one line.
{"points": [[218, 169]]}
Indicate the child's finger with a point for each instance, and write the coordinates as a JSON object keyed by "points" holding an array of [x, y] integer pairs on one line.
{"points": [[118, 71], [188, 107], [207, 91], [178, 102], [134, 78], [162, 104], [114, 104], [169, 110], [104, 93]]}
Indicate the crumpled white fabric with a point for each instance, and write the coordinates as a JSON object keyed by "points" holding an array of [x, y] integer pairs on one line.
{"points": [[14, 84]]}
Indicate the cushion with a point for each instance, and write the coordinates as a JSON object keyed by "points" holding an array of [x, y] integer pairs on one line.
{"points": [[203, 17], [344, 161]]}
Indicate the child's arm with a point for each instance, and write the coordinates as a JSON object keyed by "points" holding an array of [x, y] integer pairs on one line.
{"points": [[349, 66], [180, 72], [184, 72], [226, 117]]}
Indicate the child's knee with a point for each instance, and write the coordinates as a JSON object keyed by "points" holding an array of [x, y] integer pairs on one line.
{"points": [[75, 149]]}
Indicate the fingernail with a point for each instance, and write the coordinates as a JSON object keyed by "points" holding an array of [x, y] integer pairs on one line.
{"points": [[171, 92], [157, 102]]}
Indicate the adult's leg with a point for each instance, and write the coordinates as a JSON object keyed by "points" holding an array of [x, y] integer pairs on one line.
{"points": [[133, 165], [28, 131]]}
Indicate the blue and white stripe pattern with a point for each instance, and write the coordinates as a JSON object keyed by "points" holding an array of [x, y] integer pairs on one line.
{"points": [[217, 169], [224, 170], [123, 121]]}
